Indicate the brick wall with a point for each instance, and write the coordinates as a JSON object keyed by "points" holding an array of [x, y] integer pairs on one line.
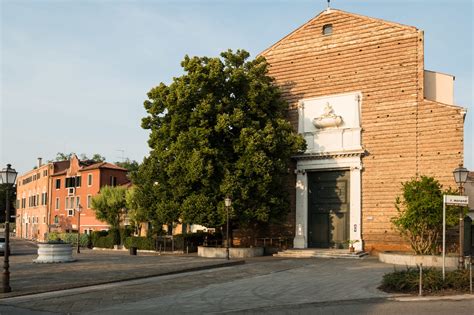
{"points": [[401, 130]]}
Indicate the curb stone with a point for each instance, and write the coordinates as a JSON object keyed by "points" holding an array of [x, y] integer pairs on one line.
{"points": [[459, 297]]}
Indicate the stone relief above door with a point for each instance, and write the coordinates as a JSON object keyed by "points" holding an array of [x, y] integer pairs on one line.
{"points": [[331, 124]]}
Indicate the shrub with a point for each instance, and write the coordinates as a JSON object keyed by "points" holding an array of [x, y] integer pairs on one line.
{"points": [[102, 239], [104, 242], [70, 238], [420, 214], [53, 237], [407, 281], [145, 243], [125, 232]]}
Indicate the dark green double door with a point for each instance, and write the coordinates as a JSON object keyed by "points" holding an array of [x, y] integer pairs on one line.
{"points": [[328, 209]]}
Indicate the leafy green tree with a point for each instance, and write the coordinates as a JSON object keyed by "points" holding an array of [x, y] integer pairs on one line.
{"points": [[131, 165], [109, 206], [60, 156], [420, 213], [3, 201], [136, 213], [147, 195], [220, 129], [97, 157]]}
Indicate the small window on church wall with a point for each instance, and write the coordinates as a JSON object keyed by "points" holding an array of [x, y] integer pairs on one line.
{"points": [[327, 29]]}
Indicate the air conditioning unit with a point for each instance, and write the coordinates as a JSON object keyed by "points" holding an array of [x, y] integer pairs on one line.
{"points": [[71, 191]]}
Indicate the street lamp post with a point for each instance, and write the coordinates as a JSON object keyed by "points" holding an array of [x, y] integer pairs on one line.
{"points": [[8, 177], [79, 208], [460, 177], [228, 203]]}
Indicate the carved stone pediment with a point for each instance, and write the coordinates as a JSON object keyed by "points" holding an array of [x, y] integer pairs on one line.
{"points": [[328, 119]]}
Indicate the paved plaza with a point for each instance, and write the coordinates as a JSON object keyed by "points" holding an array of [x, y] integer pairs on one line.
{"points": [[95, 284]]}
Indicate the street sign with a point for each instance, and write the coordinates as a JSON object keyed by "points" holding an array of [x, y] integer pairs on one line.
{"points": [[457, 200]]}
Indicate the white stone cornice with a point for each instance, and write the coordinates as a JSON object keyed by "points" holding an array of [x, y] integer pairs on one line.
{"points": [[330, 155]]}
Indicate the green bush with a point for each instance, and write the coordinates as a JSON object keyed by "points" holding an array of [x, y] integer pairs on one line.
{"points": [[125, 232], [70, 238], [145, 243], [102, 239], [104, 242], [420, 214], [53, 237], [407, 281]]}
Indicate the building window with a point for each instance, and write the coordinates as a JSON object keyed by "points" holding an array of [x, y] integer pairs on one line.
{"points": [[70, 213], [44, 219], [70, 202], [73, 181], [113, 181], [78, 201], [89, 180], [56, 219], [58, 183], [57, 203], [89, 201], [44, 198], [327, 29]]}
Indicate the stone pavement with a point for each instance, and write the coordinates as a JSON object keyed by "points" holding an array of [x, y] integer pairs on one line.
{"points": [[260, 283], [95, 267]]}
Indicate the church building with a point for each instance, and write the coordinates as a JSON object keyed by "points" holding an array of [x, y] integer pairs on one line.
{"points": [[372, 116]]}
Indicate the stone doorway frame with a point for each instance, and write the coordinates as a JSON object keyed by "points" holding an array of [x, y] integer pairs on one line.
{"points": [[314, 162]]}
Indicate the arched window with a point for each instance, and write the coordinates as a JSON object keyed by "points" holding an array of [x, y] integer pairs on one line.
{"points": [[56, 219]]}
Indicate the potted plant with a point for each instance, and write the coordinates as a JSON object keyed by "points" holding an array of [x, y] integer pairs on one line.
{"points": [[351, 245]]}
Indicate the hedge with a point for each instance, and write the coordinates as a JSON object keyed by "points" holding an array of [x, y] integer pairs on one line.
{"points": [[179, 242], [407, 281], [140, 242], [70, 238], [102, 239]]}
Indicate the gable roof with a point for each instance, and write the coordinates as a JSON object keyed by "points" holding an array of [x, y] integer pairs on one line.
{"points": [[61, 167], [103, 165], [331, 11]]}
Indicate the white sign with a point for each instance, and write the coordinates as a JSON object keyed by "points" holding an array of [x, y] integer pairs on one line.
{"points": [[457, 200]]}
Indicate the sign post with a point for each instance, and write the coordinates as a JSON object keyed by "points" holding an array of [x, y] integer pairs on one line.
{"points": [[455, 201], [444, 235]]}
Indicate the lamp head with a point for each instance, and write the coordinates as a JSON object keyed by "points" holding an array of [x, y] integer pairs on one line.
{"points": [[228, 201], [460, 175], [8, 175]]}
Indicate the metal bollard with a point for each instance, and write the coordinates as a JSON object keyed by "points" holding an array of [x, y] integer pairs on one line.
{"points": [[420, 290], [470, 273]]}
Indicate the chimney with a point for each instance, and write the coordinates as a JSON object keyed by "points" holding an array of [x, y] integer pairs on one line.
{"points": [[40, 162]]}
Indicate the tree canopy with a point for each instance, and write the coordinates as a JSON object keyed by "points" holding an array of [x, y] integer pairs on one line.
{"points": [[109, 205], [219, 129], [60, 156], [4, 188], [130, 165]]}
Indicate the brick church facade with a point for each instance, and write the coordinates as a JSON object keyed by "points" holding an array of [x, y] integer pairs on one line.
{"points": [[372, 116]]}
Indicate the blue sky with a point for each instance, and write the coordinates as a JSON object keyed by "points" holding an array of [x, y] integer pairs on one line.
{"points": [[74, 74]]}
